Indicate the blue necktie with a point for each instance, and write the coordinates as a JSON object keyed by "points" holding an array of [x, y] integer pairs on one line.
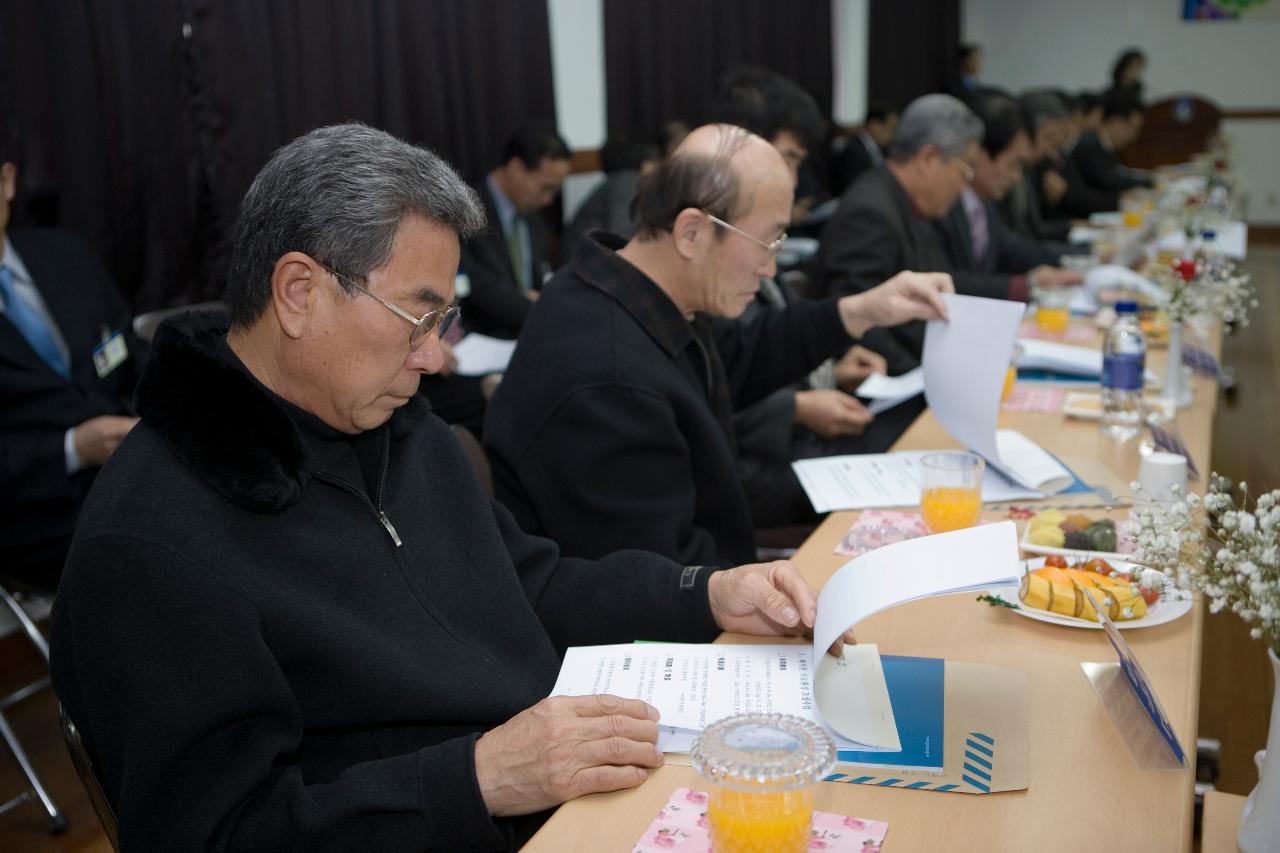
{"points": [[32, 326]]}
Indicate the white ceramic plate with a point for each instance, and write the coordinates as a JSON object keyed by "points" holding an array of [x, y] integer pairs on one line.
{"points": [[1176, 605], [1081, 404], [1069, 553]]}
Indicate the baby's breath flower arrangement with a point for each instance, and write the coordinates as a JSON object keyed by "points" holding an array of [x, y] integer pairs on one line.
{"points": [[1219, 547]]}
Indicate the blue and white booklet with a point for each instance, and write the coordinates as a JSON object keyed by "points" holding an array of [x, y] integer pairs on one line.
{"points": [[693, 685]]}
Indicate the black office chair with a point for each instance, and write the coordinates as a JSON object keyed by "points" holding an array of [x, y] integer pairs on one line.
{"points": [[145, 325], [57, 820], [82, 758]]}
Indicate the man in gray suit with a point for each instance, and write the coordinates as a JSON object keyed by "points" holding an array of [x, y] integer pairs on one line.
{"points": [[977, 240], [885, 220]]}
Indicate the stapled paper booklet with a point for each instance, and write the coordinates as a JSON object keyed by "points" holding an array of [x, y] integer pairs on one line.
{"points": [[693, 685]]}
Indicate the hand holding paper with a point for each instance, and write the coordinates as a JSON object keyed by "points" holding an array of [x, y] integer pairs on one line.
{"points": [[693, 685], [905, 297], [764, 600]]}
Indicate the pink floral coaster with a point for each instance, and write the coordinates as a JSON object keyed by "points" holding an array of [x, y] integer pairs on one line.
{"points": [[876, 527], [1034, 398], [1076, 333], [682, 825]]}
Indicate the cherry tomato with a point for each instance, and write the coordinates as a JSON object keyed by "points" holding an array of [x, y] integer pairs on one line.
{"points": [[1150, 595], [1056, 560], [1099, 565]]}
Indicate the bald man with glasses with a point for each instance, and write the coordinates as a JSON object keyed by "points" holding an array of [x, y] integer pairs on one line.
{"points": [[613, 428]]}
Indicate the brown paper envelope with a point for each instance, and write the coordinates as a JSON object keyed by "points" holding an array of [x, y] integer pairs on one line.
{"points": [[986, 740]]}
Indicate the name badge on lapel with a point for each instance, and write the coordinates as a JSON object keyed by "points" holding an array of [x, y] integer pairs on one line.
{"points": [[111, 353]]}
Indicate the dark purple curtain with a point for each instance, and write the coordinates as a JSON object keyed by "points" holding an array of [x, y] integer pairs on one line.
{"points": [[912, 48], [147, 120], [664, 58]]}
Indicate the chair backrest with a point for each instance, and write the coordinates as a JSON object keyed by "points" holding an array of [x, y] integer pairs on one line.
{"points": [[476, 455], [83, 761], [145, 325]]}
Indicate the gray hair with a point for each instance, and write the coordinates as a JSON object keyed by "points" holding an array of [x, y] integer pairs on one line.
{"points": [[339, 194], [938, 120], [1039, 106]]}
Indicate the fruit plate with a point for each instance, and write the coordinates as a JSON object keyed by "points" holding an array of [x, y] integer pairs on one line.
{"points": [[1049, 550], [1176, 605]]}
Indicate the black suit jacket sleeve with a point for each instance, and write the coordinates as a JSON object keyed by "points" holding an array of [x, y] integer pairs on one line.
{"points": [[38, 500], [1101, 169], [640, 592], [611, 465], [859, 251], [1014, 252], [496, 304], [764, 428], [778, 347]]}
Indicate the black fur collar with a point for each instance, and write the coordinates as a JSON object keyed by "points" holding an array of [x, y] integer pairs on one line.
{"points": [[222, 424]]}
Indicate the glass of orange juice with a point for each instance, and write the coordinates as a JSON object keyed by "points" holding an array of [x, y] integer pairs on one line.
{"points": [[760, 770], [1011, 373], [950, 490], [1053, 308]]}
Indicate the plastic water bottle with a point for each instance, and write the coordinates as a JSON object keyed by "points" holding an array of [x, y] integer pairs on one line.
{"points": [[1211, 250], [1124, 360]]}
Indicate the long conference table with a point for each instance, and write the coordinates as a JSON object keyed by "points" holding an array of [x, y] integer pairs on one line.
{"points": [[1085, 790]]}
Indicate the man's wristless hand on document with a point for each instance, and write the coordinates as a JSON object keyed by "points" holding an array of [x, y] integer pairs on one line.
{"points": [[565, 747]]}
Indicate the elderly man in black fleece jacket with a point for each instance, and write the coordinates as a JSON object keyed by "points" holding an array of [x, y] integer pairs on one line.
{"points": [[290, 618], [613, 428]]}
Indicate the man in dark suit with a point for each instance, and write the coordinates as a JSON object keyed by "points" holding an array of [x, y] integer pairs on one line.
{"points": [[964, 83], [505, 265], [885, 220], [613, 427], [865, 149], [976, 239], [1096, 154], [68, 366]]}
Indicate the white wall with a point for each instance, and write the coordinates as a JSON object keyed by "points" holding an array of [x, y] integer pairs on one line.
{"points": [[577, 70], [849, 46], [1072, 45]]}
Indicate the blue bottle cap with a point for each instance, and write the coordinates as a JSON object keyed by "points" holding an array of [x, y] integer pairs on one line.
{"points": [[1126, 306], [1209, 234]]}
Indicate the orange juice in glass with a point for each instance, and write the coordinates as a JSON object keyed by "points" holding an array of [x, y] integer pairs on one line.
{"points": [[950, 490], [1053, 308], [760, 770], [1010, 378]]}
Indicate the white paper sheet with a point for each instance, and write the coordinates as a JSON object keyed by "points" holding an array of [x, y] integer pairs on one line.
{"points": [[965, 361], [945, 563], [693, 685], [1232, 238], [1085, 234], [883, 480], [480, 354], [1114, 275], [885, 392], [1065, 358]]}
